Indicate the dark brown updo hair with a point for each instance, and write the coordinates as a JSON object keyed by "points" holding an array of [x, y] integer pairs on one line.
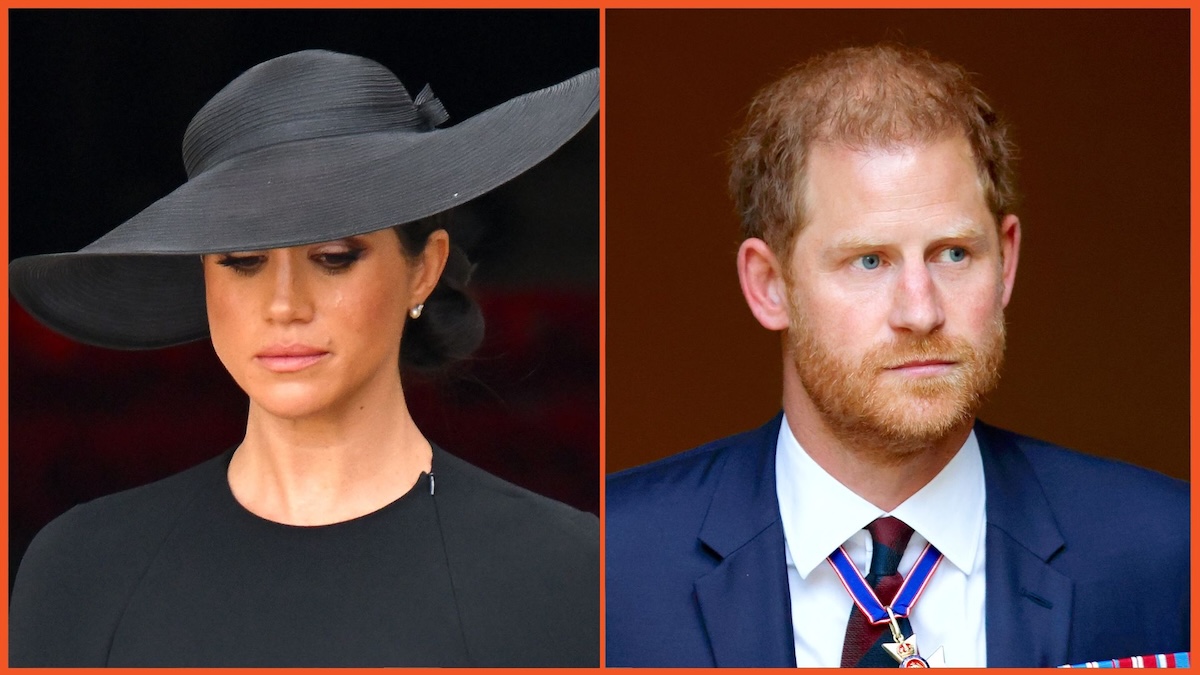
{"points": [[450, 327]]}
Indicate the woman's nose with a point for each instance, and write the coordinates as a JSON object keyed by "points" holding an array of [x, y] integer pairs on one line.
{"points": [[290, 298]]}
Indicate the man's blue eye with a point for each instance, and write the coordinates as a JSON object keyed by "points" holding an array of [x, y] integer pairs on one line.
{"points": [[957, 254], [870, 261]]}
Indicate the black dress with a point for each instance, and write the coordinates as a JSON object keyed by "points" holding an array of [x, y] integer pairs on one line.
{"points": [[463, 570]]}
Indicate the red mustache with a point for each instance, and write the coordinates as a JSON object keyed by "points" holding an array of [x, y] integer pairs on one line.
{"points": [[919, 351]]}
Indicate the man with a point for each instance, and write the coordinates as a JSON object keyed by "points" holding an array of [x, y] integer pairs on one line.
{"points": [[876, 192]]}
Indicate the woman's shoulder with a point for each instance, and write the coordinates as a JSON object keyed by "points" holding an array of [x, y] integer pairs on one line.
{"points": [[127, 517], [495, 503], [78, 572]]}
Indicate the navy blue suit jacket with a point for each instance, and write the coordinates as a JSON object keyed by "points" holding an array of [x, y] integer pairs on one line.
{"points": [[1087, 559]]}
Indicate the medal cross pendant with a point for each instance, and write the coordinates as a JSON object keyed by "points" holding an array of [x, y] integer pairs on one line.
{"points": [[904, 649]]}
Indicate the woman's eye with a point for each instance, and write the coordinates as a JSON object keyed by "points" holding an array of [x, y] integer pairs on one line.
{"points": [[242, 264], [956, 254], [870, 261], [339, 260]]}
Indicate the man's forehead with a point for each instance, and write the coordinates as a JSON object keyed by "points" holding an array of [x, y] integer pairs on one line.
{"points": [[848, 187], [868, 154]]}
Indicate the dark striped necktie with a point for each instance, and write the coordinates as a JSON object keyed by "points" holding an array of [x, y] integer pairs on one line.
{"points": [[863, 647]]}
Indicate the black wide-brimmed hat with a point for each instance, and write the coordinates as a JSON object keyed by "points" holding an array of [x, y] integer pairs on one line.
{"points": [[308, 147]]}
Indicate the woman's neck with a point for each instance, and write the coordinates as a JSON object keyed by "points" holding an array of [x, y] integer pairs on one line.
{"points": [[333, 466]]}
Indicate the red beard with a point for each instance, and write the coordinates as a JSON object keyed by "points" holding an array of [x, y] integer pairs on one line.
{"points": [[865, 404]]}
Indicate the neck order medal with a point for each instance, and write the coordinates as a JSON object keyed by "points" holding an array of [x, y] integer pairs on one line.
{"points": [[904, 649]]}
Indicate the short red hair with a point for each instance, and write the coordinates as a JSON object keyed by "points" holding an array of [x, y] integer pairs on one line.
{"points": [[879, 96]]}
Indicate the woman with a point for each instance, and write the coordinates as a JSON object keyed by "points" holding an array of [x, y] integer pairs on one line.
{"points": [[308, 243]]}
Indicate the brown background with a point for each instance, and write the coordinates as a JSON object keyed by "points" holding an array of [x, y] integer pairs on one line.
{"points": [[1098, 325]]}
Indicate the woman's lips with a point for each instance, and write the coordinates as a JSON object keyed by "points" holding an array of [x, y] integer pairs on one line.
{"points": [[289, 359]]}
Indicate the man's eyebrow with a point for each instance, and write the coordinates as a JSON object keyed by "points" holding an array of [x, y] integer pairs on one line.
{"points": [[857, 241], [965, 229]]}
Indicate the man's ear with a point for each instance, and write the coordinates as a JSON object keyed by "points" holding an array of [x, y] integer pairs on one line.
{"points": [[763, 286], [1010, 249]]}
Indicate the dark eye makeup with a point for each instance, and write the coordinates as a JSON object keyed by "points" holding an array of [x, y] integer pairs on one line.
{"points": [[338, 261], [332, 262], [242, 264]]}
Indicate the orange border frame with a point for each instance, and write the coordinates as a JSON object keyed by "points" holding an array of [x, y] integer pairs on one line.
{"points": [[601, 5]]}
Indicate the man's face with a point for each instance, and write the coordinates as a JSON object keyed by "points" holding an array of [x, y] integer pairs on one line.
{"points": [[897, 290]]}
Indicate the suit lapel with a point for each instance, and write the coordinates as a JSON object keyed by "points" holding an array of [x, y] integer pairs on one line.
{"points": [[744, 601], [1028, 602]]}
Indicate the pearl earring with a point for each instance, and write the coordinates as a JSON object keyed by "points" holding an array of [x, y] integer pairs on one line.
{"points": [[415, 312]]}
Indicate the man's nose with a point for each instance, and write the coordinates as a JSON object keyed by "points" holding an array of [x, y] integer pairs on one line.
{"points": [[917, 302], [290, 297]]}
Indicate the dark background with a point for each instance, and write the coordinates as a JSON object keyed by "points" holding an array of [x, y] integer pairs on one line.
{"points": [[1098, 355], [99, 101]]}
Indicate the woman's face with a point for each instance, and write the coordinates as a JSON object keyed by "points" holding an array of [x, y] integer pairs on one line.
{"points": [[309, 330]]}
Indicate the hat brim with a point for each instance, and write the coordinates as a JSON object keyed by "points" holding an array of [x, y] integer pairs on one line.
{"points": [[140, 286]]}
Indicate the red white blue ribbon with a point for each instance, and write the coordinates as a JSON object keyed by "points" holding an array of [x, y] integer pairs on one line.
{"points": [[864, 596], [1176, 660]]}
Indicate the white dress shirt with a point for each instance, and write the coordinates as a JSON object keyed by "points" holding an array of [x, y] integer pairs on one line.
{"points": [[819, 514]]}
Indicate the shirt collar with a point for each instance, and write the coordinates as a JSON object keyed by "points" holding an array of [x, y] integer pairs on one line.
{"points": [[819, 513]]}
